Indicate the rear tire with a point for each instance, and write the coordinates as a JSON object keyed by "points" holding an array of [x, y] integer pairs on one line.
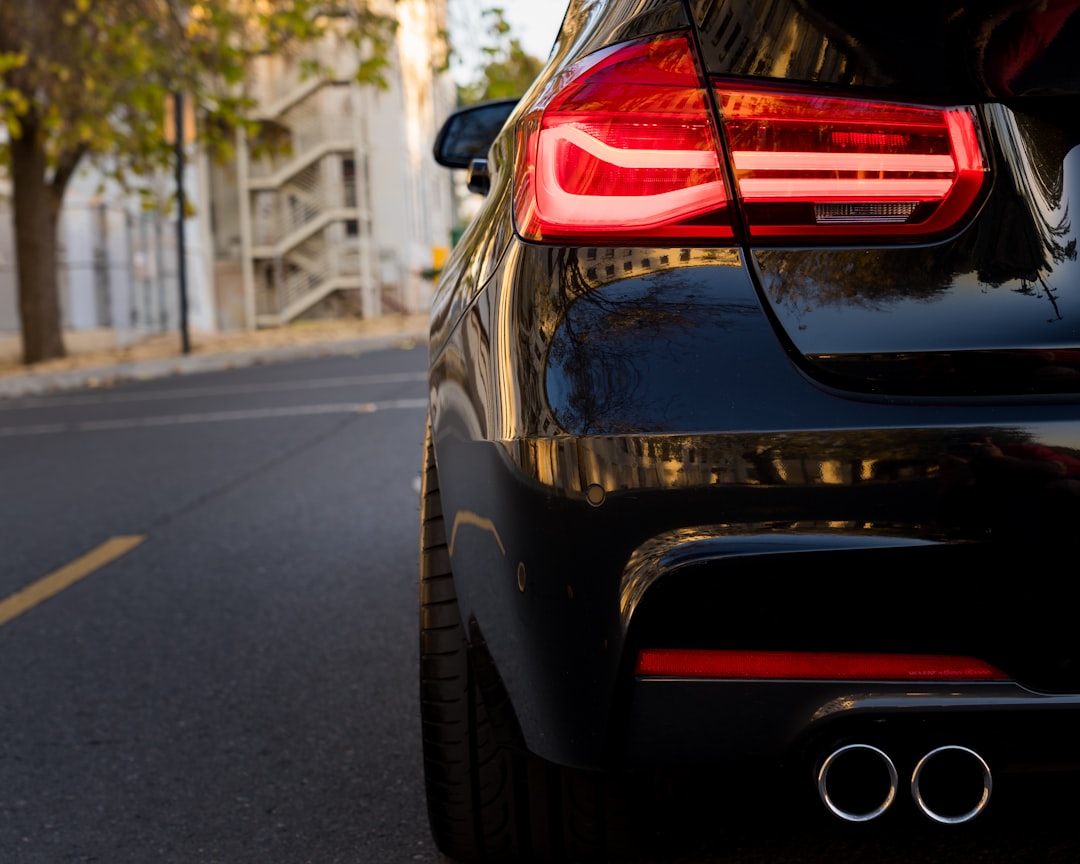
{"points": [[486, 802]]}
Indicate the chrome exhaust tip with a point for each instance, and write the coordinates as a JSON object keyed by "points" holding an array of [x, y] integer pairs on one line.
{"points": [[951, 784], [857, 782]]}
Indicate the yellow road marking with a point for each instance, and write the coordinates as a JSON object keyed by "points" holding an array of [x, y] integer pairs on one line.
{"points": [[66, 576]]}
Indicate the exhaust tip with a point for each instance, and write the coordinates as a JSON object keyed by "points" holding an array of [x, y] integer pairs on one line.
{"points": [[951, 784], [857, 782]]}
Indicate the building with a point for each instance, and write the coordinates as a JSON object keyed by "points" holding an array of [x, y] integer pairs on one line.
{"points": [[335, 208]]}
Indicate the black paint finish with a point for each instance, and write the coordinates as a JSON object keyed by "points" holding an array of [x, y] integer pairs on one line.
{"points": [[843, 446]]}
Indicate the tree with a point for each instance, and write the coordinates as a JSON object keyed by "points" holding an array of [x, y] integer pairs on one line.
{"points": [[86, 81], [508, 69]]}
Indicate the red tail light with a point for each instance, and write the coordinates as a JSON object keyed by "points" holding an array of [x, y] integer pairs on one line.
{"points": [[623, 148], [810, 166], [799, 665]]}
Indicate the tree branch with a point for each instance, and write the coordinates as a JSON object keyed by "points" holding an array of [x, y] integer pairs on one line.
{"points": [[66, 163]]}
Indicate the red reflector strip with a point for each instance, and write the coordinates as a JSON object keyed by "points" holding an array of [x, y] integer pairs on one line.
{"points": [[801, 665]]}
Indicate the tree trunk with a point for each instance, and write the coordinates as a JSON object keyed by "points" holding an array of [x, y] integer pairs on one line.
{"points": [[36, 214]]}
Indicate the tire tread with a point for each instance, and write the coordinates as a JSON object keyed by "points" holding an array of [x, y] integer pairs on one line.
{"points": [[486, 803]]}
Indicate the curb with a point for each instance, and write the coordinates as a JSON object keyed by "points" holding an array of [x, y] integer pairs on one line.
{"points": [[41, 383]]}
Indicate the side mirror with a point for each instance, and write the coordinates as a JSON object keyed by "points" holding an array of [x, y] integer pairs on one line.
{"points": [[469, 132]]}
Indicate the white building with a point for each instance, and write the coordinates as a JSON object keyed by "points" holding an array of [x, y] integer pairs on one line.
{"points": [[349, 218], [116, 262]]}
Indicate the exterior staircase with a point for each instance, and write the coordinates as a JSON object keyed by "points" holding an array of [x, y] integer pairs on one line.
{"points": [[309, 226]]}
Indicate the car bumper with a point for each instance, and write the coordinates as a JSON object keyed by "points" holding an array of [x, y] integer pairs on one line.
{"points": [[643, 463]]}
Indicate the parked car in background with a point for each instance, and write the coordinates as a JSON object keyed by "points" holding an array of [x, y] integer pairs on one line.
{"points": [[754, 431]]}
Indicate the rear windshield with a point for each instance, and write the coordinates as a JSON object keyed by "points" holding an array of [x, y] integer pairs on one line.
{"points": [[941, 49]]}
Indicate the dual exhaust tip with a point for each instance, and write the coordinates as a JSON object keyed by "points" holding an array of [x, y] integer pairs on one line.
{"points": [[950, 784]]}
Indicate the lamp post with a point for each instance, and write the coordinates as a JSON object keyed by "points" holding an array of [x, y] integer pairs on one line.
{"points": [[181, 206], [179, 138]]}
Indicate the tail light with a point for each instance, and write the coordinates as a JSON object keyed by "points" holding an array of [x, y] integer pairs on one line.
{"points": [[623, 147], [810, 166]]}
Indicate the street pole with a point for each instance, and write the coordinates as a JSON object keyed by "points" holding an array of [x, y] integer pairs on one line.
{"points": [[181, 206]]}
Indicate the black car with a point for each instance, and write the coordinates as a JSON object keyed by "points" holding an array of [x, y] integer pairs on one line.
{"points": [[754, 434]]}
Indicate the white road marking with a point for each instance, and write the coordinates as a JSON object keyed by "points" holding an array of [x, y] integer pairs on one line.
{"points": [[36, 429], [59, 400], [214, 417]]}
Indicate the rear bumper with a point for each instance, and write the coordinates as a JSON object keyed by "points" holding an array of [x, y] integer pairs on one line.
{"points": [[794, 724], [629, 456], [563, 590]]}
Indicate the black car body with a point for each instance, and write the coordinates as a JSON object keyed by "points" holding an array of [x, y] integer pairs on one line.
{"points": [[755, 417]]}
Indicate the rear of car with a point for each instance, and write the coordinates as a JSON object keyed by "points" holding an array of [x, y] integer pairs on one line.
{"points": [[754, 416]]}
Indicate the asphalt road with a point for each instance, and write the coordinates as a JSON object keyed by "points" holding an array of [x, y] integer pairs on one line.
{"points": [[208, 649], [240, 685]]}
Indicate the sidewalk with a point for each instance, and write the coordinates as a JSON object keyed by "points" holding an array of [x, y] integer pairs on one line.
{"points": [[94, 361]]}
